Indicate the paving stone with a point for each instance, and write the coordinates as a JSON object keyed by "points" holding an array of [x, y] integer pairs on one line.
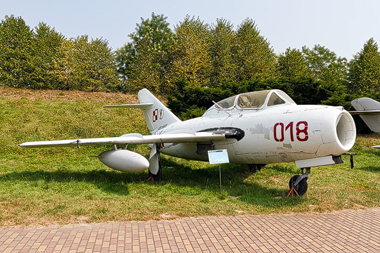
{"points": [[341, 231]]}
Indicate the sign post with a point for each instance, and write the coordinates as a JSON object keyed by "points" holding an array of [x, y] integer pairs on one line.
{"points": [[218, 157]]}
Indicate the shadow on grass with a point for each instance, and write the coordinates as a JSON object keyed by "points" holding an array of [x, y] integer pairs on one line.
{"points": [[374, 169], [234, 182], [108, 181], [373, 151], [188, 181], [373, 154]]}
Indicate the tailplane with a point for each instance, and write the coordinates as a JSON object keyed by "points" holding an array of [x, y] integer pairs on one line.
{"points": [[156, 114], [369, 111]]}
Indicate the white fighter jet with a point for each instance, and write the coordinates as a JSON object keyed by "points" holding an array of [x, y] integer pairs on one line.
{"points": [[255, 128]]}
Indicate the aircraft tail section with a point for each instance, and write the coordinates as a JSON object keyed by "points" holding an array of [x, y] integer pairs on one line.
{"points": [[158, 115], [369, 111]]}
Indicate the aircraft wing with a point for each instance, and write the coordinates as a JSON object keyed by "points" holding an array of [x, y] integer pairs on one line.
{"points": [[133, 138]]}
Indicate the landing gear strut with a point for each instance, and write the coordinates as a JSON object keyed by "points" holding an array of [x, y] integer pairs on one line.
{"points": [[155, 169], [255, 167], [156, 177], [298, 183]]}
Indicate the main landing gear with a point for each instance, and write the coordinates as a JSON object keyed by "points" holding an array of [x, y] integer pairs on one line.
{"points": [[155, 169], [298, 183], [158, 176], [255, 167]]}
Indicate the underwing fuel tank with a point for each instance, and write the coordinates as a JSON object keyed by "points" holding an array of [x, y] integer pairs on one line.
{"points": [[124, 160]]}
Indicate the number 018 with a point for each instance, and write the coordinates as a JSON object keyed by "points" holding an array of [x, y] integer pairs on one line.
{"points": [[301, 131]]}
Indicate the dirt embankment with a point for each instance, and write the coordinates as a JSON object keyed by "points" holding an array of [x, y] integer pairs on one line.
{"points": [[67, 95]]}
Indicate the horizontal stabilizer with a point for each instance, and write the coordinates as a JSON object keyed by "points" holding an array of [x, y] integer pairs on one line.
{"points": [[369, 111]]}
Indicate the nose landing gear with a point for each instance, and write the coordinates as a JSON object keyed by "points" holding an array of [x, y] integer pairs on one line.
{"points": [[298, 183]]}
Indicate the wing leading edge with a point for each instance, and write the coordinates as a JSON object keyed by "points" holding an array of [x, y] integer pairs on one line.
{"points": [[129, 139]]}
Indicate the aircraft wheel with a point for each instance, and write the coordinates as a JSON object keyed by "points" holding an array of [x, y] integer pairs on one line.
{"points": [[157, 177], [255, 167], [301, 188]]}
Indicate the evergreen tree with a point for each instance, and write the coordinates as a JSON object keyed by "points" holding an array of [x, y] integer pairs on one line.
{"points": [[191, 60], [221, 52], [45, 45], [94, 65], [325, 65], [143, 63], [253, 55], [86, 65], [292, 64], [15, 52], [364, 70], [125, 57], [63, 66]]}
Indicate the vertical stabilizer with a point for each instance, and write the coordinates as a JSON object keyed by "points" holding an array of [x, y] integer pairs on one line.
{"points": [[369, 111], [158, 115]]}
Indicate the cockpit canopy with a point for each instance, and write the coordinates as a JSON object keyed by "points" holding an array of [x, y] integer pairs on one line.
{"points": [[253, 100]]}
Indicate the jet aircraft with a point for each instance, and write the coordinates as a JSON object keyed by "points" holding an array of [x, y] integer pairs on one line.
{"points": [[369, 110], [255, 128]]}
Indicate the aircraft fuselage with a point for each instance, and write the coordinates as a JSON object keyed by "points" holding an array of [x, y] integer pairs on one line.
{"points": [[283, 133]]}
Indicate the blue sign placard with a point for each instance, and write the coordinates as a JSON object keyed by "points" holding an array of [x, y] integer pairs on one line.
{"points": [[218, 156]]}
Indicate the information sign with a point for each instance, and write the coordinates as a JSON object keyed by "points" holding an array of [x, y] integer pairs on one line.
{"points": [[218, 156]]}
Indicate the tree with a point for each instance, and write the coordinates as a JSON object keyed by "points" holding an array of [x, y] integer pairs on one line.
{"points": [[94, 65], [144, 61], [292, 64], [46, 43], [15, 52], [145, 71], [86, 65], [221, 47], [364, 69], [325, 65], [253, 55], [125, 57], [190, 52], [63, 66]]}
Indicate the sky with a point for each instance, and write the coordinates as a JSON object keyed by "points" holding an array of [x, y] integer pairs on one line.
{"points": [[342, 26]]}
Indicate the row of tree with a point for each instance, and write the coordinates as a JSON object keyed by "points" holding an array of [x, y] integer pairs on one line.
{"points": [[203, 55], [207, 56], [42, 58], [211, 61], [200, 63]]}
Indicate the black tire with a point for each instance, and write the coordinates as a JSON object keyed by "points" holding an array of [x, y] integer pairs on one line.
{"points": [[255, 167], [301, 188], [157, 177]]}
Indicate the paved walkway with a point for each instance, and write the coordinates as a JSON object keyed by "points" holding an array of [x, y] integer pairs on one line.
{"points": [[343, 231]]}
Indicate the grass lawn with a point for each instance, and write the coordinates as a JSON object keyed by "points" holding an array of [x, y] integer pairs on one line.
{"points": [[65, 185]]}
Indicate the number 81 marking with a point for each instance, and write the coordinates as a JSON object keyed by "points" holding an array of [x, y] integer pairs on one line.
{"points": [[301, 131]]}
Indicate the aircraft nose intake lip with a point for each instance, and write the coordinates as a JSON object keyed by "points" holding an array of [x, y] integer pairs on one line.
{"points": [[345, 130]]}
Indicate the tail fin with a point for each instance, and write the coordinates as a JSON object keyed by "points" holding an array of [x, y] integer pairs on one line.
{"points": [[158, 115], [369, 111]]}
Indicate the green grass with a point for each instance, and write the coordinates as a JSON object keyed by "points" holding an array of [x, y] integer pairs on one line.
{"points": [[65, 185]]}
